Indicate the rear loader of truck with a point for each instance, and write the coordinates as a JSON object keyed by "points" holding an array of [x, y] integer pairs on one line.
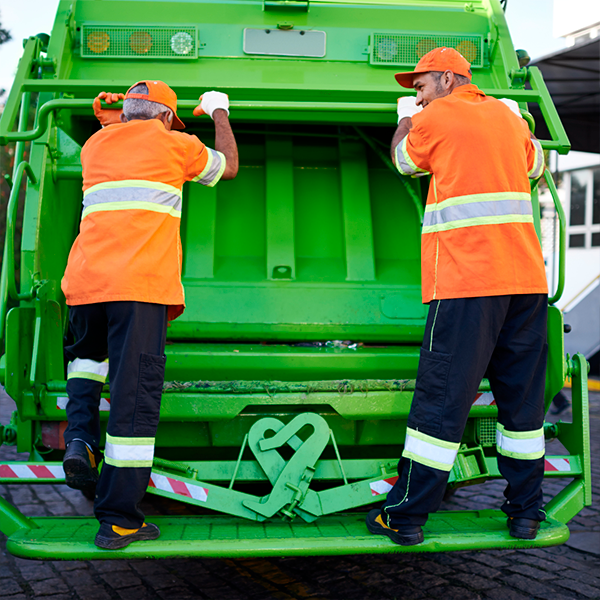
{"points": [[290, 375]]}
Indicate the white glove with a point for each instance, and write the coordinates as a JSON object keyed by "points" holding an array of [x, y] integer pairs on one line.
{"points": [[407, 107], [512, 105], [211, 101]]}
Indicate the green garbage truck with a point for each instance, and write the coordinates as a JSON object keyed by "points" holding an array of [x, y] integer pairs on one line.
{"points": [[290, 375]]}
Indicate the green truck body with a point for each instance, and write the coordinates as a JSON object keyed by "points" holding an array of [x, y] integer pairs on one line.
{"points": [[290, 375]]}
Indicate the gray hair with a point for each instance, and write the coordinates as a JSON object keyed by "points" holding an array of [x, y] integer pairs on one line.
{"points": [[460, 79], [136, 108]]}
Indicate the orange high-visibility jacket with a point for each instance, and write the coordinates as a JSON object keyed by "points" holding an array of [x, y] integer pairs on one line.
{"points": [[478, 237], [128, 247]]}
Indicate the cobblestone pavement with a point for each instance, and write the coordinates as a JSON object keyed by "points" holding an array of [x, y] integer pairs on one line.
{"points": [[567, 572]]}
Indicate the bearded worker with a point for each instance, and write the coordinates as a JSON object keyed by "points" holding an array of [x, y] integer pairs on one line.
{"points": [[483, 277], [123, 284]]}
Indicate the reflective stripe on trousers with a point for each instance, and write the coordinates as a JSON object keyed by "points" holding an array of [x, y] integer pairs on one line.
{"points": [[429, 451], [128, 451], [523, 445], [85, 368]]}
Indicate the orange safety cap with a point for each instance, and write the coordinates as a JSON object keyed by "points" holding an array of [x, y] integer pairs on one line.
{"points": [[438, 59], [159, 91]]}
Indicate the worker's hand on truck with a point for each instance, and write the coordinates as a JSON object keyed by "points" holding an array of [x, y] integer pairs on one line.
{"points": [[211, 101], [107, 116], [407, 107]]}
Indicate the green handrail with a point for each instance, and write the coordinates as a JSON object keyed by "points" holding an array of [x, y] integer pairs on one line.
{"points": [[8, 261], [539, 93], [562, 246]]}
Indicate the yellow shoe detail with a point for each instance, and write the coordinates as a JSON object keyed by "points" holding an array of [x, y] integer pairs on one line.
{"points": [[122, 531], [91, 457], [379, 520]]}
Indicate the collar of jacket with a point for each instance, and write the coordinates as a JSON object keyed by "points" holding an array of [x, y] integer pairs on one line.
{"points": [[470, 88]]}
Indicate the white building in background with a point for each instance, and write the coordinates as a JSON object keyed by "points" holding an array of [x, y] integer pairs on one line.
{"points": [[578, 175], [578, 21]]}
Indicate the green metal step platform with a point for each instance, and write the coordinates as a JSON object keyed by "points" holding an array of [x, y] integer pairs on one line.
{"points": [[210, 537]]}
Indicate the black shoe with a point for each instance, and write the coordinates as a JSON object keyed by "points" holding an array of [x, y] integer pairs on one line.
{"points": [[81, 466], [407, 535], [113, 537], [526, 529]]}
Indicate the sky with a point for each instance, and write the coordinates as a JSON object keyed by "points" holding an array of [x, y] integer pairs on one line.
{"points": [[530, 22]]}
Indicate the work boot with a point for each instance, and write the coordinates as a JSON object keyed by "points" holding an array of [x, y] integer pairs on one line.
{"points": [[407, 535], [113, 537], [80, 464], [525, 529]]}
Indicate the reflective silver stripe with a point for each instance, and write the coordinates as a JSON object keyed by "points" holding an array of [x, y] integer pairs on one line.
{"points": [[538, 162], [429, 451], [85, 368], [523, 445], [404, 162], [129, 452], [212, 172], [474, 210], [133, 194]]}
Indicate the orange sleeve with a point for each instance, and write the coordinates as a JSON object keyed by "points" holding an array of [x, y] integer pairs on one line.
{"points": [[196, 157], [417, 149], [204, 165]]}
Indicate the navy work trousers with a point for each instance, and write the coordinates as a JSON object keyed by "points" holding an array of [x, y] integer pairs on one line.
{"points": [[132, 336], [499, 337]]}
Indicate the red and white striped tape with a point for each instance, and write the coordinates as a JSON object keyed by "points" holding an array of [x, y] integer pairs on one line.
{"points": [[32, 471], [484, 399], [557, 464], [167, 484], [62, 401], [383, 486]]}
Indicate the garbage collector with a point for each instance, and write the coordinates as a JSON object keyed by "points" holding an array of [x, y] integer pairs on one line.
{"points": [[123, 284], [484, 280]]}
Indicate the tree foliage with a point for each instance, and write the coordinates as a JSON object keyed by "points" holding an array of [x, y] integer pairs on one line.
{"points": [[4, 35]]}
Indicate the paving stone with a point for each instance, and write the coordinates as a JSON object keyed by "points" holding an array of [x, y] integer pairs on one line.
{"points": [[161, 581], [532, 572], [110, 566], [423, 581], [80, 578], [149, 567], [139, 592], [92, 593], [585, 577], [542, 563], [8, 587], [456, 593], [434, 567], [581, 588], [178, 593], [504, 593], [69, 565], [121, 579], [474, 581], [48, 587], [402, 593], [34, 571], [585, 541], [480, 569], [529, 586]]}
